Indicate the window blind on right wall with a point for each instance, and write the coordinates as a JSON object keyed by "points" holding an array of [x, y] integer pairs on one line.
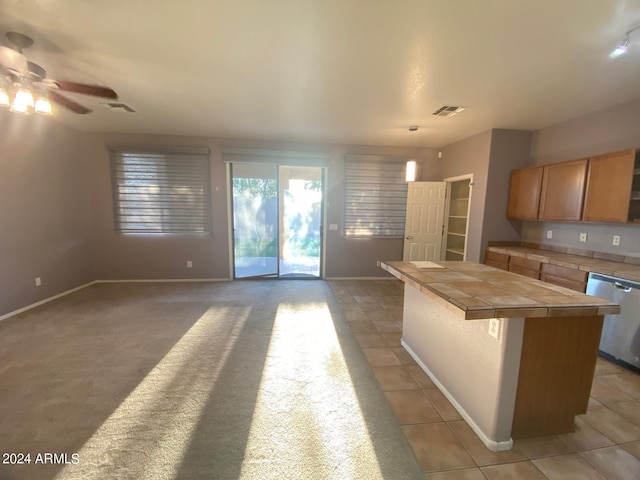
{"points": [[375, 196]]}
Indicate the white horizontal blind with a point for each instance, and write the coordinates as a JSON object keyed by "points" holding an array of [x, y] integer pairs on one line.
{"points": [[161, 191], [375, 196]]}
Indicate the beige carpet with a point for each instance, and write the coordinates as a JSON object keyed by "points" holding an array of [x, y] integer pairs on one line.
{"points": [[251, 380]]}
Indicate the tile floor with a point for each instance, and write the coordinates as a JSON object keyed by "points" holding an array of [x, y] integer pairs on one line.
{"points": [[605, 445]]}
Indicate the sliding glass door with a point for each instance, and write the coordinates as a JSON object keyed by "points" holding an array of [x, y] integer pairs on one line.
{"points": [[277, 220]]}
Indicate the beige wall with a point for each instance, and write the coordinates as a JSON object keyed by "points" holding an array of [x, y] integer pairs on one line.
{"points": [[56, 212], [57, 222], [117, 256], [44, 213]]}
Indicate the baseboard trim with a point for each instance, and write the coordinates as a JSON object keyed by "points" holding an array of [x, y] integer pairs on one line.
{"points": [[46, 300], [167, 280], [492, 445], [360, 278]]}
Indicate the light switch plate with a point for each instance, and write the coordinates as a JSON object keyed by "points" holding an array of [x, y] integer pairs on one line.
{"points": [[333, 226]]}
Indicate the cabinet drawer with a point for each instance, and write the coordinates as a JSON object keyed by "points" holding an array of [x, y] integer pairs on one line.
{"points": [[563, 282], [497, 257], [565, 273], [493, 263], [525, 263], [527, 272]]}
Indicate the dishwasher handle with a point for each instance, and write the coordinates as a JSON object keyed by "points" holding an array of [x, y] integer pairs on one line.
{"points": [[619, 286]]}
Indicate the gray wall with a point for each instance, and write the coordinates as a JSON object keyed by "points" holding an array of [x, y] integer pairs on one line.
{"points": [[44, 213], [609, 130], [471, 156], [489, 156], [509, 150]]}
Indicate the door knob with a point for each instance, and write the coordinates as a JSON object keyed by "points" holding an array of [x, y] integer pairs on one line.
{"points": [[409, 237]]}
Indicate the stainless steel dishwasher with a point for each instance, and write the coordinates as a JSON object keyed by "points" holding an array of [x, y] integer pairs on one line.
{"points": [[621, 333]]}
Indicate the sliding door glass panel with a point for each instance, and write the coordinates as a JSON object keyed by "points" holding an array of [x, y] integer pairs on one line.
{"points": [[301, 214], [255, 220]]}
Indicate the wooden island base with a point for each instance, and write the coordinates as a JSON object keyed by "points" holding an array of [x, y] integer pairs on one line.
{"points": [[557, 364]]}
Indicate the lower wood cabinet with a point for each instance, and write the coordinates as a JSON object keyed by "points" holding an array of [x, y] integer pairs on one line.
{"points": [[523, 266], [496, 260], [564, 277]]}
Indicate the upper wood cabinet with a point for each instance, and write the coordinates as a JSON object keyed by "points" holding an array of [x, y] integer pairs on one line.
{"points": [[524, 193], [562, 195], [609, 187]]}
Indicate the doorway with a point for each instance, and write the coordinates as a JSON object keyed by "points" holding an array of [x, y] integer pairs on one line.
{"points": [[277, 213], [457, 217]]}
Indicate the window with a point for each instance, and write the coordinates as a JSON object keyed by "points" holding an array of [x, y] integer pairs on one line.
{"points": [[158, 191], [375, 196]]}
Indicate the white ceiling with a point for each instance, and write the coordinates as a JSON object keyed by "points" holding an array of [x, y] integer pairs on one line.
{"points": [[338, 71]]}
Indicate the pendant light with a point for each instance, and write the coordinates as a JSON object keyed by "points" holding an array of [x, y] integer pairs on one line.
{"points": [[410, 172]]}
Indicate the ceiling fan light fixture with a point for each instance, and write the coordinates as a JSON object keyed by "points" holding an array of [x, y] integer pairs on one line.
{"points": [[43, 106], [23, 101], [4, 98]]}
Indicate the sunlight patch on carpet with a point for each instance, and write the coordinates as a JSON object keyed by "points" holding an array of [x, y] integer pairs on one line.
{"points": [[149, 433], [307, 416]]}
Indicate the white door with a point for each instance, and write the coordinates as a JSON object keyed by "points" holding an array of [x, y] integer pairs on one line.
{"points": [[424, 222]]}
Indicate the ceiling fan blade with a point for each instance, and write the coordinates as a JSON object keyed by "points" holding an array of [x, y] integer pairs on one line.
{"points": [[85, 89], [68, 104]]}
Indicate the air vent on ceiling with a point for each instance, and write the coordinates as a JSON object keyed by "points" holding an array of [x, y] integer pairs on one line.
{"points": [[120, 107], [448, 111]]}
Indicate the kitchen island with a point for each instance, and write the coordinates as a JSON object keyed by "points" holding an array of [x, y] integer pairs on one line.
{"points": [[514, 355]]}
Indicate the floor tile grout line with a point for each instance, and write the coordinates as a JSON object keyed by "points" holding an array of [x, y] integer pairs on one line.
{"points": [[574, 451]]}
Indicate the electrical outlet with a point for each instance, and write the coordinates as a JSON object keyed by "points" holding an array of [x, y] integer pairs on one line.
{"points": [[494, 328], [38, 281], [333, 226], [378, 263], [189, 264], [549, 233], [583, 237], [616, 240]]}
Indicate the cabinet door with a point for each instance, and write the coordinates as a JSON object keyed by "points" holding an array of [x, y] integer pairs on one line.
{"points": [[524, 193], [563, 187], [609, 187]]}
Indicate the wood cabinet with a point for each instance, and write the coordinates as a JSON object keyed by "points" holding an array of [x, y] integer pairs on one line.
{"points": [[609, 187], [497, 260], [604, 188], [524, 193], [564, 277], [562, 195], [523, 266]]}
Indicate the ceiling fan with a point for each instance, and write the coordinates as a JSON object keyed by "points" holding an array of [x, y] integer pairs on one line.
{"points": [[19, 77]]}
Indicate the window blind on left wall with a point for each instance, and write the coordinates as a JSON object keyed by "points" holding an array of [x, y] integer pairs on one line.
{"points": [[161, 191]]}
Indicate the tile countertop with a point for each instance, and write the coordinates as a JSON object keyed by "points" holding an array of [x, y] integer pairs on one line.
{"points": [[476, 291], [630, 271]]}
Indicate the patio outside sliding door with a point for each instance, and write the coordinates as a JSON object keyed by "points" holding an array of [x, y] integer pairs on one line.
{"points": [[255, 220], [277, 220]]}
